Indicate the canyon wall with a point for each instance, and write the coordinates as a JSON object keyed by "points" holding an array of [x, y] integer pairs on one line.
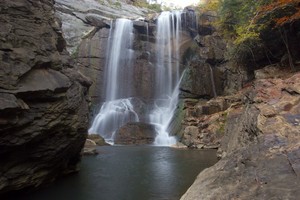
{"points": [[253, 122], [43, 98]]}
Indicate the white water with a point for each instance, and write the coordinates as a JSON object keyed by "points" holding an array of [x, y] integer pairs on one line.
{"points": [[117, 109], [112, 115], [167, 75], [118, 69], [212, 79], [162, 116]]}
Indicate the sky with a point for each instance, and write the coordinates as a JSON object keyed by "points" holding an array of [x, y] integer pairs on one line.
{"points": [[179, 3]]}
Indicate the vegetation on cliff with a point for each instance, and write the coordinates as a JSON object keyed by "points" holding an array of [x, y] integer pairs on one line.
{"points": [[253, 26], [144, 4]]}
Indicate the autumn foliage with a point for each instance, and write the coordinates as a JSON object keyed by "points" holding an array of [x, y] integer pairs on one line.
{"points": [[292, 8], [258, 30]]}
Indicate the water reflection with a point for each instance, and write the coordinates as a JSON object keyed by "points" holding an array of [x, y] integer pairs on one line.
{"points": [[131, 173]]}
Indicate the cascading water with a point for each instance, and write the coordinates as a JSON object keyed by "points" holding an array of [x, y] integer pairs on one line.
{"points": [[167, 75], [117, 109], [212, 79]]}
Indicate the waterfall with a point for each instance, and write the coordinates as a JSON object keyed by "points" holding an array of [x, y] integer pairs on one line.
{"points": [[162, 116], [212, 79], [118, 69], [167, 75], [117, 109]]}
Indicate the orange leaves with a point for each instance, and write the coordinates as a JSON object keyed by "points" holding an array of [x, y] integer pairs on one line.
{"points": [[277, 3], [285, 19], [287, 11], [282, 20]]}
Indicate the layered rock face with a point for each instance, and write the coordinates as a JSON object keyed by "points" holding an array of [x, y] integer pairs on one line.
{"points": [[86, 28], [43, 102], [260, 147], [204, 73], [201, 123], [256, 126], [198, 121]]}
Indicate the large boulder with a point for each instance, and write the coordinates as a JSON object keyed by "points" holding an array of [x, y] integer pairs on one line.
{"points": [[89, 148], [135, 133], [97, 139], [266, 170], [43, 102]]}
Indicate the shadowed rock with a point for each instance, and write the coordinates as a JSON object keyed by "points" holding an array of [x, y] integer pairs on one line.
{"points": [[43, 102]]}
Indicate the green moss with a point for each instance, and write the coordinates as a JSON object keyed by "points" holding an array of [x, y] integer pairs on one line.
{"points": [[175, 127], [225, 114], [144, 4], [221, 130], [222, 122], [75, 53], [101, 1], [117, 4]]}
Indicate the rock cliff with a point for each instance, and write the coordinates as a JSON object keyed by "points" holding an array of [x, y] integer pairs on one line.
{"points": [[198, 121], [86, 27], [43, 102], [254, 123], [260, 148]]}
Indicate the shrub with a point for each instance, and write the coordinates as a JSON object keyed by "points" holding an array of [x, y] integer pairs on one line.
{"points": [[144, 4]]}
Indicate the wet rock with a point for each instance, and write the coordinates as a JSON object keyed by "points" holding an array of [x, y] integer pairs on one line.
{"points": [[97, 139], [201, 81], [141, 26], [179, 145], [135, 133], [176, 125], [89, 148]]}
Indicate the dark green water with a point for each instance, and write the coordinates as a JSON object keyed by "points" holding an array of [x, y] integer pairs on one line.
{"points": [[131, 173]]}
